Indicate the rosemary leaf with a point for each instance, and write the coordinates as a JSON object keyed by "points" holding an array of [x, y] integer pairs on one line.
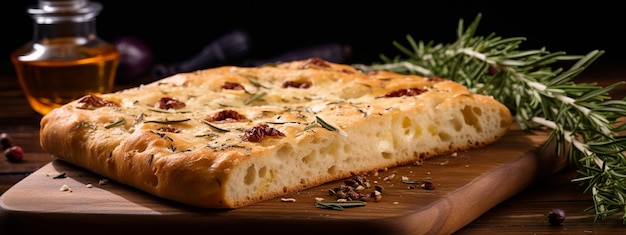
{"points": [[255, 97], [337, 205], [214, 127], [168, 121], [582, 117], [330, 127], [119, 122], [167, 111]]}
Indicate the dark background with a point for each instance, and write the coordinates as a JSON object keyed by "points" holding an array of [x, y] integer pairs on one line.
{"points": [[177, 30]]}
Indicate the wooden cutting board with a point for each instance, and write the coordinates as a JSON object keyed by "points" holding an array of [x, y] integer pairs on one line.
{"points": [[467, 184]]}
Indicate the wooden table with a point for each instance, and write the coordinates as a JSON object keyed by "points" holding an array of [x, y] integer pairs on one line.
{"points": [[524, 213]]}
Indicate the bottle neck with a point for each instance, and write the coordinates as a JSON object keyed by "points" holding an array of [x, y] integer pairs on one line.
{"points": [[79, 30], [64, 20]]}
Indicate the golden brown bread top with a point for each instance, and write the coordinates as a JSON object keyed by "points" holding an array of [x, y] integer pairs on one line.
{"points": [[198, 137]]}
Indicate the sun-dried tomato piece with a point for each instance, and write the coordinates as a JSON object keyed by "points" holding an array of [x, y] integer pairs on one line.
{"points": [[168, 129], [435, 79], [232, 86], [93, 102], [373, 72], [295, 84], [169, 103], [226, 116], [346, 71], [403, 92], [258, 133], [317, 62]]}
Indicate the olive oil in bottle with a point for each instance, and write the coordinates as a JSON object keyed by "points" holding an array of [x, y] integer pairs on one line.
{"points": [[66, 59]]}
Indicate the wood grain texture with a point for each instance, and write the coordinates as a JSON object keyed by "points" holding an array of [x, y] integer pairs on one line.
{"points": [[467, 185]]}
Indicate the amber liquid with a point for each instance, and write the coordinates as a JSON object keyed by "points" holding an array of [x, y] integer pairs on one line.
{"points": [[58, 74]]}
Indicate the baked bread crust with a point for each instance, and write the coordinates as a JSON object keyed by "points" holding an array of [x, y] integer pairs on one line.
{"points": [[230, 136]]}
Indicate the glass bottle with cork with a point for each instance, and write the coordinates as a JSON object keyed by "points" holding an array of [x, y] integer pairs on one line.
{"points": [[66, 59]]}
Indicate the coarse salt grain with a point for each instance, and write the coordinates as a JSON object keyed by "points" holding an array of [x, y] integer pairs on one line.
{"points": [[65, 188]]}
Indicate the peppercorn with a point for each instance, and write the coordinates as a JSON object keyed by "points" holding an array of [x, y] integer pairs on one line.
{"points": [[556, 217], [4, 139], [428, 185], [12, 152]]}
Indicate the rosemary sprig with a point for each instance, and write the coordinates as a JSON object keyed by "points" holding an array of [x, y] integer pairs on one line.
{"points": [[581, 116]]}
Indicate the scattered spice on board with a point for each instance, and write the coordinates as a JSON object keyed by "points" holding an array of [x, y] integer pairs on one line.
{"points": [[12, 152], [339, 205], [61, 175], [556, 217], [288, 199], [65, 188]]}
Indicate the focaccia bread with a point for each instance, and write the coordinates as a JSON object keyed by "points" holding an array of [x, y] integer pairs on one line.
{"points": [[230, 136]]}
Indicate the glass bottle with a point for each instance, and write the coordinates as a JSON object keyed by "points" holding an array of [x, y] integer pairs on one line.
{"points": [[66, 59]]}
